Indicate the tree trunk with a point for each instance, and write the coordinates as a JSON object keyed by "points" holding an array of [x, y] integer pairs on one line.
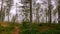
{"points": [[2, 11], [30, 11], [37, 13], [49, 11], [9, 4], [58, 11], [37, 16]]}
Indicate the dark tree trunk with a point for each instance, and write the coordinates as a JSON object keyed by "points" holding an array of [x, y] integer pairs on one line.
{"points": [[58, 11], [49, 11], [30, 11]]}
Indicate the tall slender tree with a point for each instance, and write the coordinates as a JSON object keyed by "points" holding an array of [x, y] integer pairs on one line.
{"points": [[46, 14], [26, 2], [49, 11], [9, 4], [37, 12], [15, 16], [26, 12], [1, 12], [59, 11], [30, 11]]}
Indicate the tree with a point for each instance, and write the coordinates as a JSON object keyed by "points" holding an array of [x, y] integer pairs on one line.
{"points": [[49, 11], [37, 13], [9, 4], [30, 11], [58, 11], [54, 14], [26, 11], [15, 16], [46, 14], [1, 11]]}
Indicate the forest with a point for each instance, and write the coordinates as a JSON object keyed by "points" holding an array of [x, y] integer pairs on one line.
{"points": [[29, 16]]}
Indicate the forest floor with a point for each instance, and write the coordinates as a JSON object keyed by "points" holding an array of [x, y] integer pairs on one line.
{"points": [[16, 28]]}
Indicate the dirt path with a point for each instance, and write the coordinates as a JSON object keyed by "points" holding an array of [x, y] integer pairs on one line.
{"points": [[16, 30]]}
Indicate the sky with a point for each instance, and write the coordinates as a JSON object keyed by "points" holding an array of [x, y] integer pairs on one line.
{"points": [[13, 9]]}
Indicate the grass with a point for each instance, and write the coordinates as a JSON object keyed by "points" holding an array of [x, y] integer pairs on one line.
{"points": [[43, 28]]}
